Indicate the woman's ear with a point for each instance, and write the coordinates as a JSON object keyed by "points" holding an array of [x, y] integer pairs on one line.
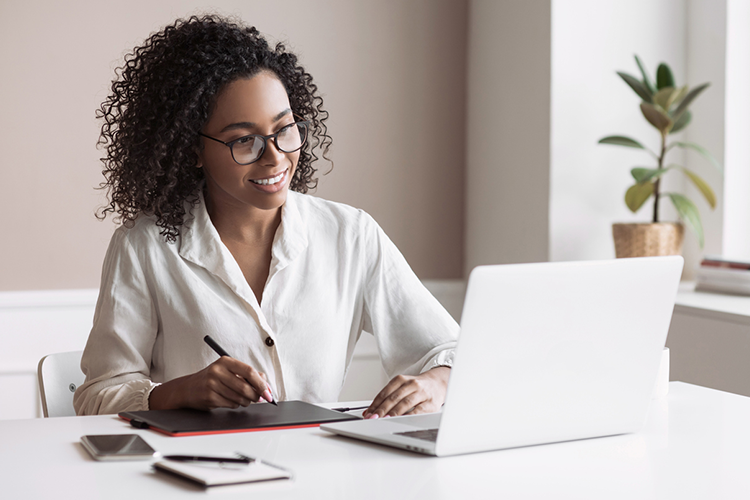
{"points": [[199, 159], [198, 150]]}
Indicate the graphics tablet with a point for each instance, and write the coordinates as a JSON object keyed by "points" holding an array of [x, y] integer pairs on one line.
{"points": [[256, 417]]}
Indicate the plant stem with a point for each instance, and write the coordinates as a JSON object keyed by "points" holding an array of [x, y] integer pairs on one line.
{"points": [[658, 179]]}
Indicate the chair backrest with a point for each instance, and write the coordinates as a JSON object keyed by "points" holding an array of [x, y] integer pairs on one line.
{"points": [[59, 376]]}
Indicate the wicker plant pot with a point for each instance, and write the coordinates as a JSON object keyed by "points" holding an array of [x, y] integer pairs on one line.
{"points": [[648, 240]]}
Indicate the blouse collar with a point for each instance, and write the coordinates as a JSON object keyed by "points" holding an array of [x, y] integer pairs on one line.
{"points": [[201, 244]]}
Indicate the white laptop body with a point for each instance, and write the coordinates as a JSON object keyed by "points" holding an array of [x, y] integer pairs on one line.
{"points": [[548, 352]]}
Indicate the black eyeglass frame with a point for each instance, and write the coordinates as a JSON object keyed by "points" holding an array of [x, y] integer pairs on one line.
{"points": [[265, 139]]}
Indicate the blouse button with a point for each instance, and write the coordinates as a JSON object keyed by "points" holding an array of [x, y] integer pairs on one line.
{"points": [[269, 341]]}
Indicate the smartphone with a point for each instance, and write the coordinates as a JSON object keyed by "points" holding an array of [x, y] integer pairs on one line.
{"points": [[117, 447]]}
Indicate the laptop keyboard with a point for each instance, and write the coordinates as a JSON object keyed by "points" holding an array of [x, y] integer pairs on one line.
{"points": [[426, 434]]}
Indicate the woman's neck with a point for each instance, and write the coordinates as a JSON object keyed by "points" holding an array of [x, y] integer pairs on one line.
{"points": [[243, 224]]}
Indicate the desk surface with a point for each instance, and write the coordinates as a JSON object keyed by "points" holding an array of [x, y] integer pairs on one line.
{"points": [[696, 445]]}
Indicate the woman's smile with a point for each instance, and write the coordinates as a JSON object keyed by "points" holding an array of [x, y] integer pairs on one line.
{"points": [[271, 184]]}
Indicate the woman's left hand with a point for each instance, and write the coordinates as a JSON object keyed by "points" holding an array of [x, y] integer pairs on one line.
{"points": [[406, 394]]}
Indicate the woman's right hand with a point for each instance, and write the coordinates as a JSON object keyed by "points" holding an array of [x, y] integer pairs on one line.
{"points": [[225, 383]]}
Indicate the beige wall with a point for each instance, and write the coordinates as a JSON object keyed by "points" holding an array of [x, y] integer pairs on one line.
{"points": [[508, 132], [392, 74]]}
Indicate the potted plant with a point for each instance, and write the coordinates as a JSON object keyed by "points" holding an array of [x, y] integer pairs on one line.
{"points": [[665, 107]]}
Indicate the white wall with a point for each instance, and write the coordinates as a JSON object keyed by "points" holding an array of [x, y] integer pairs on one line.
{"points": [[35, 324], [589, 101], [736, 241]]}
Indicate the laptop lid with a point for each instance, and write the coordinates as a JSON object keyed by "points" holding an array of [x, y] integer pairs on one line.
{"points": [[557, 351]]}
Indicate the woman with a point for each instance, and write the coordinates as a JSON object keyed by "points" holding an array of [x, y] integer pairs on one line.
{"points": [[210, 137]]}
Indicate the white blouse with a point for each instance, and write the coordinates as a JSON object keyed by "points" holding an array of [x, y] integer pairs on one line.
{"points": [[334, 273]]}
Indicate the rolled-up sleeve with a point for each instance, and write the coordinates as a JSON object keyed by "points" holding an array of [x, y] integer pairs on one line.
{"points": [[413, 331], [117, 357]]}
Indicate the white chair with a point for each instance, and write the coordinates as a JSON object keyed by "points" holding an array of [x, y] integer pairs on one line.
{"points": [[59, 376]]}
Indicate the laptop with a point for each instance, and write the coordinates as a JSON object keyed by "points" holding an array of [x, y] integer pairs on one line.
{"points": [[548, 352]]}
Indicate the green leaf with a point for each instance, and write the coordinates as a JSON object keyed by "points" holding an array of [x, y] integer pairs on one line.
{"points": [[702, 186], [636, 85], [689, 214], [688, 99], [664, 77], [656, 117], [643, 175], [621, 140], [646, 80], [637, 194], [699, 149], [665, 97], [681, 94], [681, 122]]}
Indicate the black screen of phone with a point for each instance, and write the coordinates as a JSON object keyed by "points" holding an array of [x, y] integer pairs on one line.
{"points": [[120, 444]]}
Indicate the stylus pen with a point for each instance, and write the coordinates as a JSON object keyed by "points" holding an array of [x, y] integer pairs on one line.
{"points": [[344, 410], [221, 352], [190, 458]]}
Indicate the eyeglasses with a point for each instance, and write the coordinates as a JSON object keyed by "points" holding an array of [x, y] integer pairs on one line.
{"points": [[250, 148]]}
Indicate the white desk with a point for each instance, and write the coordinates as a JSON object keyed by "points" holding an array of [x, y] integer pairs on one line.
{"points": [[696, 445]]}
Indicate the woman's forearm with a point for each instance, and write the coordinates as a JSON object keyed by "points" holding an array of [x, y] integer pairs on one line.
{"points": [[169, 395]]}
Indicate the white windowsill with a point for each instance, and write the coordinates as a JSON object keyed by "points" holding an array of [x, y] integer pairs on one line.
{"points": [[724, 307]]}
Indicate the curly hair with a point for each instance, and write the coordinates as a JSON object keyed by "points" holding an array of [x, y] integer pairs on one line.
{"points": [[161, 98]]}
